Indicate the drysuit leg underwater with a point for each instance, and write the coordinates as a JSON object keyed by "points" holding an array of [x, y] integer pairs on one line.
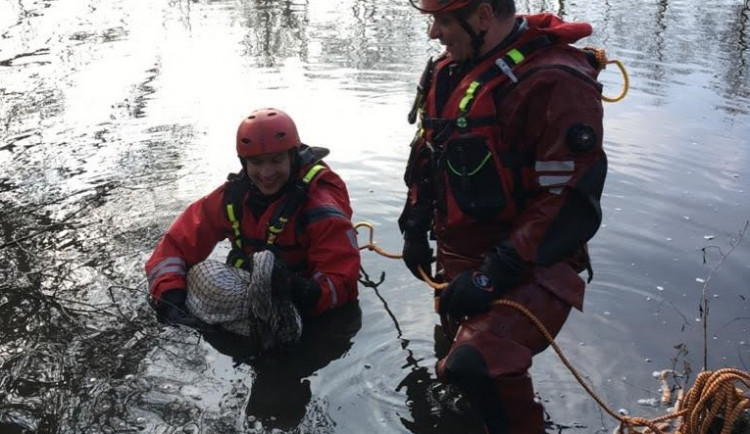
{"points": [[492, 353]]}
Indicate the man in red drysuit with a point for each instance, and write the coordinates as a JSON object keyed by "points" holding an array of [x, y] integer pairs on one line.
{"points": [[506, 173]]}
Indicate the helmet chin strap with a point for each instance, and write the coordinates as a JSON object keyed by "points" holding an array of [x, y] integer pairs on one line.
{"points": [[477, 39]]}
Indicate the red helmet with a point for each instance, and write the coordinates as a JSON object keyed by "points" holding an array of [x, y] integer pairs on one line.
{"points": [[431, 6], [266, 131]]}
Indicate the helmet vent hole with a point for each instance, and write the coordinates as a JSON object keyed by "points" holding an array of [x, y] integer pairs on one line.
{"points": [[251, 117], [280, 135], [245, 141]]}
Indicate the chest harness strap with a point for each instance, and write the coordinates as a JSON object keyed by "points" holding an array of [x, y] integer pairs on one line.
{"points": [[504, 65], [233, 197]]}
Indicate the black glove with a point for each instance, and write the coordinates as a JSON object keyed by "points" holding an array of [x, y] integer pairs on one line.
{"points": [[415, 222], [305, 293], [417, 254], [281, 278], [504, 267], [472, 292], [172, 310], [469, 293]]}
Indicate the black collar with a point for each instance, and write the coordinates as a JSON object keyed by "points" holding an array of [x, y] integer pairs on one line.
{"points": [[520, 26]]}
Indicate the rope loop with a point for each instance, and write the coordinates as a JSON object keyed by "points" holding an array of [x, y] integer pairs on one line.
{"points": [[371, 243], [602, 62]]}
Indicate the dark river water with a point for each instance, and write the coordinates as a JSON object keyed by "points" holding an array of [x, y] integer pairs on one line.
{"points": [[114, 115]]}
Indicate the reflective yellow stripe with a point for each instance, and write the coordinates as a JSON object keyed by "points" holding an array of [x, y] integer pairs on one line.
{"points": [[235, 225], [312, 172], [469, 95], [276, 228], [238, 263], [516, 55], [280, 227]]}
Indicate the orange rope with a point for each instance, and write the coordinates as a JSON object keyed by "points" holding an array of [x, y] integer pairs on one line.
{"points": [[602, 61], [371, 244], [713, 395]]}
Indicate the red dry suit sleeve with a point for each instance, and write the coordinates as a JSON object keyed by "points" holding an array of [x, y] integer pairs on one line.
{"points": [[416, 217], [418, 175], [333, 258], [188, 241], [562, 111]]}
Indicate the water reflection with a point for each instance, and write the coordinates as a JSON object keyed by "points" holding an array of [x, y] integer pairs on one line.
{"points": [[666, 52], [435, 407], [277, 30], [538, 6], [280, 391], [113, 116], [736, 77]]}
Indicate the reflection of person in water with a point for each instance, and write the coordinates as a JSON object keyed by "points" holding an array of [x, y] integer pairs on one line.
{"points": [[436, 407], [280, 391]]}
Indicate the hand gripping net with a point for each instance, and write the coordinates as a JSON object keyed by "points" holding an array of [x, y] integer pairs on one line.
{"points": [[246, 303]]}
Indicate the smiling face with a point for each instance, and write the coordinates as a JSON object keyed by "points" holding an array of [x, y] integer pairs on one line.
{"points": [[445, 27], [269, 172]]}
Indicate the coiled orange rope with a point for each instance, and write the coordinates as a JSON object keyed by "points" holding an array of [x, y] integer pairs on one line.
{"points": [[713, 395]]}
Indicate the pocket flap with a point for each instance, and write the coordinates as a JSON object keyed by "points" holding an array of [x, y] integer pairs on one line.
{"points": [[560, 279]]}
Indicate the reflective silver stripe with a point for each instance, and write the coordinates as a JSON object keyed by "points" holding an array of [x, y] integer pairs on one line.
{"points": [[172, 264], [556, 190], [331, 288], [548, 181], [172, 260], [555, 166], [174, 269]]}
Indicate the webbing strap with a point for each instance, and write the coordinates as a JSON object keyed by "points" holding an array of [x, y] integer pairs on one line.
{"points": [[293, 201], [233, 195], [438, 124], [503, 65], [235, 225], [233, 203], [311, 173]]}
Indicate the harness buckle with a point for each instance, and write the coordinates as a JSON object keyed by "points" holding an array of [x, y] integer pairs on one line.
{"points": [[503, 65]]}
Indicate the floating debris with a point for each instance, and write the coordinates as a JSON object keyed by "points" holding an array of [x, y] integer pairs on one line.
{"points": [[649, 402]]}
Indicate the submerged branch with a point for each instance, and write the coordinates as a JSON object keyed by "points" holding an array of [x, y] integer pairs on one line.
{"points": [[704, 297]]}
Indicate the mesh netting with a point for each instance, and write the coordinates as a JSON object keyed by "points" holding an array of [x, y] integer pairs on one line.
{"points": [[246, 303]]}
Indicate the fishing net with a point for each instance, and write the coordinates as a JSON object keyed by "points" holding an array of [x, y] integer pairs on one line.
{"points": [[253, 304]]}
